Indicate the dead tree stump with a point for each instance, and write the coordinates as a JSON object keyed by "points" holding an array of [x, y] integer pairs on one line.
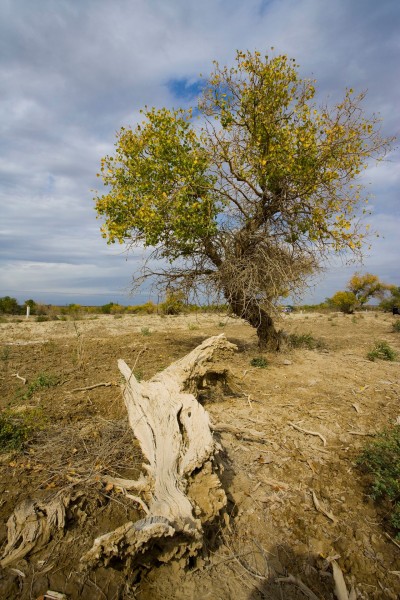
{"points": [[180, 489]]}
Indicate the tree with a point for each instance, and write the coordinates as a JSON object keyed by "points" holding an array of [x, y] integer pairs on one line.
{"points": [[344, 301], [253, 200], [174, 302], [393, 300], [9, 305], [365, 287]]}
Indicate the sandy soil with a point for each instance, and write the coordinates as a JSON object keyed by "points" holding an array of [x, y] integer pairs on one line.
{"points": [[272, 528]]}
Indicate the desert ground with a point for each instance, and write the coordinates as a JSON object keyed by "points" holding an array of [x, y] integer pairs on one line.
{"points": [[315, 406]]}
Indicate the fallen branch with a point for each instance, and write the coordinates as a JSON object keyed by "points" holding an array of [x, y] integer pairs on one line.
{"points": [[92, 387], [298, 582], [308, 432]]}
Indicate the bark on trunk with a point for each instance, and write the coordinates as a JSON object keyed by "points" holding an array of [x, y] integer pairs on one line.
{"points": [[249, 310]]}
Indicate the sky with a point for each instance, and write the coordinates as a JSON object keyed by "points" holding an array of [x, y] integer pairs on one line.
{"points": [[72, 72]]}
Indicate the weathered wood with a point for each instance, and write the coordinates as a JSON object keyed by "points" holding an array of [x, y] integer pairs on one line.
{"points": [[174, 433], [180, 490], [32, 525]]}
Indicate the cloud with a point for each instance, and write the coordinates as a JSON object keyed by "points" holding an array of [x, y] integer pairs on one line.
{"points": [[72, 73]]}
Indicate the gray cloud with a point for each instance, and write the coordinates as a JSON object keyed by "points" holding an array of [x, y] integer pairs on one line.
{"points": [[71, 73]]}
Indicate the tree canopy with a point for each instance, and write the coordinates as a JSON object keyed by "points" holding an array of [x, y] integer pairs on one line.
{"points": [[367, 286], [252, 196]]}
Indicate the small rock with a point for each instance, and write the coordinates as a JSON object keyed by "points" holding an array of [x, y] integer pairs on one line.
{"points": [[287, 362]]}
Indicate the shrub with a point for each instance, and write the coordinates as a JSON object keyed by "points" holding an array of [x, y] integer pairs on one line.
{"points": [[259, 361], [17, 428], [396, 326], [5, 353], [117, 309], [382, 351], [149, 308], [304, 340], [42, 381], [106, 308], [381, 460], [145, 331], [173, 304]]}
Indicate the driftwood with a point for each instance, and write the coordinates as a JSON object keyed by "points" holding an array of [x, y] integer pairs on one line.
{"points": [[180, 488]]}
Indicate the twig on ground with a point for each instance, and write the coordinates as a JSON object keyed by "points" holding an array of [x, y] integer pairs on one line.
{"points": [[138, 356], [361, 433], [96, 586], [19, 377], [250, 434], [321, 509], [221, 562], [392, 540], [275, 484], [308, 431], [297, 582], [92, 387]]}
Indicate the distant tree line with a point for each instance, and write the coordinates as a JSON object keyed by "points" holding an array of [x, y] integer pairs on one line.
{"points": [[10, 306], [359, 291], [175, 302]]}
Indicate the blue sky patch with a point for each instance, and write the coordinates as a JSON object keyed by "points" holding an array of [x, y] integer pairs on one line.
{"points": [[184, 89]]}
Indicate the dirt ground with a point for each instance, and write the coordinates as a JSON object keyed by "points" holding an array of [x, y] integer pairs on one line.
{"points": [[272, 529]]}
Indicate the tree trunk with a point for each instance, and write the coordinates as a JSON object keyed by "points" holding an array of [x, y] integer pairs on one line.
{"points": [[249, 310]]}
